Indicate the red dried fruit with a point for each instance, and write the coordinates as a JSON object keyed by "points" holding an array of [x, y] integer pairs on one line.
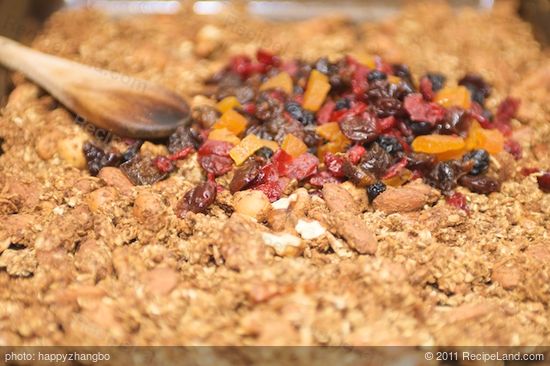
{"points": [[163, 164], [514, 148], [423, 111], [395, 169], [198, 199], [267, 58], [214, 157], [182, 154], [242, 65], [544, 182], [324, 114], [335, 164], [322, 178], [458, 200], [355, 153], [302, 167], [528, 171], [385, 124], [280, 161], [426, 89]]}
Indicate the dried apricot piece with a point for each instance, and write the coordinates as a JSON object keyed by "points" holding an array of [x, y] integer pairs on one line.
{"points": [[248, 146], [481, 138], [328, 130], [437, 144], [293, 146], [233, 121], [454, 96], [316, 91], [223, 134], [227, 104], [281, 81]]}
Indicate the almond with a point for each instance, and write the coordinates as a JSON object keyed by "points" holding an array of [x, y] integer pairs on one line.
{"points": [[411, 197]]}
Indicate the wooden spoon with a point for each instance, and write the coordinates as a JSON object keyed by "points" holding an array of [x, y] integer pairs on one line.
{"points": [[124, 105]]}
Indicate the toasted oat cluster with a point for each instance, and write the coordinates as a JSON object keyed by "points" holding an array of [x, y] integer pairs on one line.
{"points": [[357, 184]]}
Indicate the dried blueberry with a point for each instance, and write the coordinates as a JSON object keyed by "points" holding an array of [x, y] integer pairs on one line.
{"points": [[300, 114], [480, 160], [375, 189], [376, 75], [343, 103], [390, 144], [438, 80], [477, 86]]}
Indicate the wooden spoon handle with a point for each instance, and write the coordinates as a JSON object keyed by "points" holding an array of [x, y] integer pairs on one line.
{"points": [[115, 102]]}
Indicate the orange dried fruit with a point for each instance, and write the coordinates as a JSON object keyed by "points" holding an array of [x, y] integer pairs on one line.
{"points": [[248, 146], [233, 121], [437, 144], [316, 91], [281, 81], [454, 96], [293, 146], [223, 134], [481, 138], [227, 104]]}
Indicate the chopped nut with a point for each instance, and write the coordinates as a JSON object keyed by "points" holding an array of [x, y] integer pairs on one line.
{"points": [[285, 245], [309, 230], [411, 197], [252, 203], [115, 177]]}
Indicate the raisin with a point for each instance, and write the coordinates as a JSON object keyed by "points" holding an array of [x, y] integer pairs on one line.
{"points": [[359, 128], [97, 158], [480, 159], [390, 144], [454, 123], [142, 170], [374, 190], [198, 199], [245, 175], [357, 175], [403, 72], [422, 162], [386, 107], [421, 128], [479, 89], [205, 116], [343, 103], [278, 128], [544, 182], [300, 114], [181, 138], [376, 75], [2, 143], [480, 184], [268, 107], [376, 160], [444, 175], [437, 80]]}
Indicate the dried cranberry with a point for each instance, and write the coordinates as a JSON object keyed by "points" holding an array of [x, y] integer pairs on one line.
{"points": [[322, 178], [273, 190], [420, 110], [528, 171], [182, 154], [514, 148], [214, 157], [480, 184], [324, 114], [458, 200], [426, 89], [374, 190], [267, 58], [359, 79], [480, 159], [246, 175], [163, 164], [242, 65], [302, 167], [335, 164], [198, 199], [544, 182], [355, 153], [384, 124], [359, 128], [507, 110], [478, 87], [281, 160], [437, 81], [396, 168]]}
